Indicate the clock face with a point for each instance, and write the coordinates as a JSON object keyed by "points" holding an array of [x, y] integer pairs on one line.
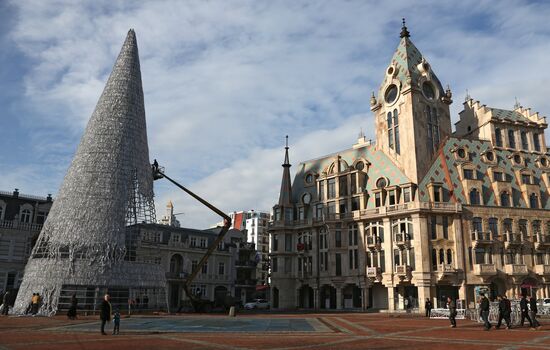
{"points": [[306, 198]]}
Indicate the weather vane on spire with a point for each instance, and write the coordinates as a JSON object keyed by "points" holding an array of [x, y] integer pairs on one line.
{"points": [[286, 143], [404, 32]]}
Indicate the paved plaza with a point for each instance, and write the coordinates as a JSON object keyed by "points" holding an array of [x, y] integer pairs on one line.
{"points": [[265, 331]]}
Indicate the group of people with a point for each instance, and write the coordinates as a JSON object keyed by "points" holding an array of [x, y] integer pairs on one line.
{"points": [[106, 314], [528, 308]]}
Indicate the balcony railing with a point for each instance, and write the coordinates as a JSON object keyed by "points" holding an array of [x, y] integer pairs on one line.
{"points": [[485, 269], [373, 272], [176, 275], [512, 239], [542, 270], [541, 241], [516, 269], [403, 270], [446, 268], [17, 225]]}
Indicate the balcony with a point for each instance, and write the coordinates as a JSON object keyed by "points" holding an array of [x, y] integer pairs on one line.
{"points": [[402, 240], [374, 273], [374, 243], [485, 270], [512, 239], [176, 275], [482, 238], [246, 264], [516, 269], [404, 272], [542, 270], [541, 241], [445, 270], [23, 226]]}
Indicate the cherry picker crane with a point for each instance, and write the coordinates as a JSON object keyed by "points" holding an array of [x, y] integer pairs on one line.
{"points": [[159, 173]]}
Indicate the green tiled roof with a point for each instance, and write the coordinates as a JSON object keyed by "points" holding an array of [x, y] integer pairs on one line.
{"points": [[508, 115], [380, 165], [445, 170]]}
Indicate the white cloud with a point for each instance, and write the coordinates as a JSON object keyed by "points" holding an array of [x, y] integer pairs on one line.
{"points": [[225, 81]]}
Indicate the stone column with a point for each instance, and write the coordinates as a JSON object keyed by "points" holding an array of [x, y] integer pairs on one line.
{"points": [[316, 297], [365, 297], [391, 298], [338, 298]]}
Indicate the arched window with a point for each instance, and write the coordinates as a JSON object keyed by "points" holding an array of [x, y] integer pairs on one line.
{"points": [[176, 263], [533, 201], [449, 256], [393, 131], [536, 227], [433, 128], [474, 197], [493, 226], [477, 224], [375, 229], [507, 225], [441, 256], [434, 257], [504, 199], [25, 216], [524, 143], [498, 137], [403, 226]]}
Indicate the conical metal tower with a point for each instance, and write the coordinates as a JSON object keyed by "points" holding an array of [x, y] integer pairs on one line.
{"points": [[85, 246]]}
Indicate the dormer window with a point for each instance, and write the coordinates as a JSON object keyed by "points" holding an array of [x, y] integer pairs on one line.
{"points": [[518, 160], [360, 166], [381, 183], [526, 179], [469, 174], [505, 199], [428, 90], [498, 176], [534, 201], [391, 94], [378, 199], [437, 193], [474, 197]]}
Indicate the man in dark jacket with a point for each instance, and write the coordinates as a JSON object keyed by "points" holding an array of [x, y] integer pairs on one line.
{"points": [[523, 304], [504, 311], [484, 310], [105, 312], [533, 312], [451, 305], [428, 307]]}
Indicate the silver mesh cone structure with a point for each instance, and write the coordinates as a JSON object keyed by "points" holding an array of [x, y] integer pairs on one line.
{"points": [[87, 245]]}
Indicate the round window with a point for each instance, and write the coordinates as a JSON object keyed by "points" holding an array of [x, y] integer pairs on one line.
{"points": [[544, 162], [360, 166], [391, 94], [381, 183], [517, 159], [306, 198], [490, 156], [461, 153], [309, 178], [428, 90]]}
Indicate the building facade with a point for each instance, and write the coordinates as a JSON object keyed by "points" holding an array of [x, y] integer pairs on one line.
{"points": [[422, 213], [21, 219], [255, 225]]}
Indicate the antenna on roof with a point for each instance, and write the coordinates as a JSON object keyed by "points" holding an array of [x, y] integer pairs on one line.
{"points": [[361, 134], [468, 97], [517, 104]]}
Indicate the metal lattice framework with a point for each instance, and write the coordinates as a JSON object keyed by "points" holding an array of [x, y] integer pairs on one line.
{"points": [[108, 186]]}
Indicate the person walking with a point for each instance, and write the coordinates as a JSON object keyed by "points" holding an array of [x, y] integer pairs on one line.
{"points": [[524, 306], [71, 314], [451, 305], [533, 312], [105, 311], [484, 310], [35, 303], [116, 320], [504, 311], [428, 307]]}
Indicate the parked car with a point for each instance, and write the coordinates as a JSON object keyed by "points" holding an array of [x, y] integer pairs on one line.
{"points": [[257, 304], [544, 302]]}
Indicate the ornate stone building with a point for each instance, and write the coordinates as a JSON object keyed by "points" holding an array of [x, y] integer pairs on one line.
{"points": [[421, 213]]}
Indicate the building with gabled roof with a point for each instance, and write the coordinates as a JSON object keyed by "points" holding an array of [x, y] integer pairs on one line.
{"points": [[422, 213]]}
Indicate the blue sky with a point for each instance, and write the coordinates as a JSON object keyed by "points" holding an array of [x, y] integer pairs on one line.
{"points": [[225, 81]]}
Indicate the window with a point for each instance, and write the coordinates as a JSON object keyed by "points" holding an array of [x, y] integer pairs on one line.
{"points": [[355, 203], [353, 234], [338, 238], [321, 190], [474, 197], [434, 258], [536, 225], [309, 178], [274, 264], [193, 242], [25, 216], [221, 269], [194, 265], [203, 242], [522, 226], [338, 264], [524, 143], [288, 242], [353, 263], [511, 139], [331, 188], [498, 176], [403, 226], [536, 142], [490, 156], [205, 268], [406, 194], [526, 179], [517, 159], [353, 178], [331, 208], [493, 226], [498, 137], [433, 128], [319, 211], [449, 256], [441, 256], [343, 186], [376, 230], [378, 199], [288, 265], [505, 199], [533, 201], [392, 197], [437, 193], [1, 212], [445, 227], [477, 224], [381, 183], [393, 131], [40, 217], [469, 174], [433, 227], [507, 225], [275, 242]]}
